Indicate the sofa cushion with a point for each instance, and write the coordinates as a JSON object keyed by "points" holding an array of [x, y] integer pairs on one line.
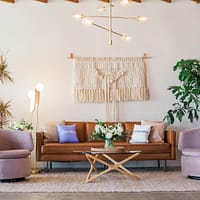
{"points": [[80, 130], [140, 134], [90, 127], [157, 130], [128, 127], [67, 133]]}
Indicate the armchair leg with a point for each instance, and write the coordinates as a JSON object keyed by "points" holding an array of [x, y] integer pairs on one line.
{"points": [[194, 177]]}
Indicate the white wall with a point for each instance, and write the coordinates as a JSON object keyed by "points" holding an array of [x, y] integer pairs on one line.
{"points": [[39, 37]]}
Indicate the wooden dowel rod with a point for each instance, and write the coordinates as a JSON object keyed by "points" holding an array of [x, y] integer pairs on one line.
{"points": [[72, 56]]}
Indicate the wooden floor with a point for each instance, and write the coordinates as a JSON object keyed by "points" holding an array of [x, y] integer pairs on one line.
{"points": [[102, 196]]}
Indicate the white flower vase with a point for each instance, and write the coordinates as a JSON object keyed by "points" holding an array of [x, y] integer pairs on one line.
{"points": [[109, 143]]}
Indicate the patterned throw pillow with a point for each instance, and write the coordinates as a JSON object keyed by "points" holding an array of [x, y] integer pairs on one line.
{"points": [[140, 134], [157, 130], [67, 133]]}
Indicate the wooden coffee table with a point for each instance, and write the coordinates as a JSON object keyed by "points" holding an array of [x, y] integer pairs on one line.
{"points": [[104, 157]]}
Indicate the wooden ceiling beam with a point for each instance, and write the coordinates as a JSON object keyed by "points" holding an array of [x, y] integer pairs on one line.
{"points": [[9, 1], [107, 1], [74, 1], [196, 1], [168, 1], [43, 1], [138, 1]]}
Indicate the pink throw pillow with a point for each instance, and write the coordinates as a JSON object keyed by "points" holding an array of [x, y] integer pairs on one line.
{"points": [[157, 130]]}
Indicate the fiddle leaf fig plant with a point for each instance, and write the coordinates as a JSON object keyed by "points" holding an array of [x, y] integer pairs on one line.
{"points": [[187, 94]]}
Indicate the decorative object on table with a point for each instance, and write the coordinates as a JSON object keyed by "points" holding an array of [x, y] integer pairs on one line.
{"points": [[114, 149], [89, 20], [187, 94], [107, 133], [5, 113], [112, 80], [22, 125]]}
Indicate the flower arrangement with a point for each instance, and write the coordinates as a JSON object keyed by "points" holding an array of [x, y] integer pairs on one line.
{"points": [[108, 133], [22, 125]]}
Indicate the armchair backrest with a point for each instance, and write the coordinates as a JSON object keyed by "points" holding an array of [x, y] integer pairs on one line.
{"points": [[11, 139], [189, 139]]}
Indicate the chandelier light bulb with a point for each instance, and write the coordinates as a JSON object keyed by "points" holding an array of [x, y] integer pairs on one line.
{"points": [[126, 37], [87, 21], [124, 2], [141, 18], [78, 16], [39, 87], [102, 9]]}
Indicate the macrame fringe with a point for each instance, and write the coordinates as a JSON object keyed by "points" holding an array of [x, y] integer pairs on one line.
{"points": [[98, 95]]}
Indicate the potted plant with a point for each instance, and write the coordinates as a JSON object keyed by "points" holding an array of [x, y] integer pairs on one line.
{"points": [[5, 113], [187, 94], [22, 125]]}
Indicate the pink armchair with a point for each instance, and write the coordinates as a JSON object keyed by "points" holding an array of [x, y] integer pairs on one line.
{"points": [[189, 145], [15, 150]]}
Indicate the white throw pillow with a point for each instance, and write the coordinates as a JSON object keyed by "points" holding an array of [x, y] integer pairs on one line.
{"points": [[140, 134]]}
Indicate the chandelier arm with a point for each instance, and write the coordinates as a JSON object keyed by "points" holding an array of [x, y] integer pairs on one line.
{"points": [[107, 29], [110, 22], [106, 16]]}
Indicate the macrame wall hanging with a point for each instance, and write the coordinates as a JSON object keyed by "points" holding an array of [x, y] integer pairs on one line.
{"points": [[110, 81]]}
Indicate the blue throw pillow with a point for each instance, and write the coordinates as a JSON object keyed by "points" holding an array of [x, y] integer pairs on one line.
{"points": [[67, 133]]}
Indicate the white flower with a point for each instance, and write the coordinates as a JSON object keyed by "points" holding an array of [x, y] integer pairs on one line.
{"points": [[109, 134], [103, 131], [97, 127]]}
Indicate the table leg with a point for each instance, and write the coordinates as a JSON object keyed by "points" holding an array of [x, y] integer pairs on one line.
{"points": [[114, 166], [119, 165]]}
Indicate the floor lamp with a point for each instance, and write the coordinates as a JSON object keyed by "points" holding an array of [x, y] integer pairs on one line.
{"points": [[34, 96]]}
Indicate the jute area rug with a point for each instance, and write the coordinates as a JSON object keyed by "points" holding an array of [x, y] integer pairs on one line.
{"points": [[74, 181]]}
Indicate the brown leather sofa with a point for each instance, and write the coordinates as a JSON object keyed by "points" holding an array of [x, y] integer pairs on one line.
{"points": [[53, 151]]}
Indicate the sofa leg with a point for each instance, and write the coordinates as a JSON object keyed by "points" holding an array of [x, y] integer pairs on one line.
{"points": [[165, 165], [46, 169], [158, 163], [50, 165]]}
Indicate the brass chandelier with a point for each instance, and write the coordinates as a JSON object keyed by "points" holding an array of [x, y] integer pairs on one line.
{"points": [[89, 20]]}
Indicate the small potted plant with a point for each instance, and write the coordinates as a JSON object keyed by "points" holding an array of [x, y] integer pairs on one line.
{"points": [[5, 113], [22, 125]]}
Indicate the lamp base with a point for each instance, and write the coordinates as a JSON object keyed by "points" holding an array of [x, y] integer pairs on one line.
{"points": [[35, 171]]}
